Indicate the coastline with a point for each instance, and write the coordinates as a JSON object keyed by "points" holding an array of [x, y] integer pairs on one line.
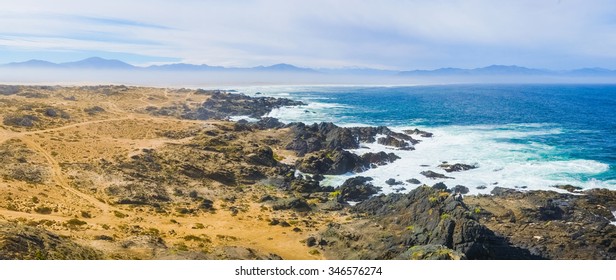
{"points": [[233, 170]]}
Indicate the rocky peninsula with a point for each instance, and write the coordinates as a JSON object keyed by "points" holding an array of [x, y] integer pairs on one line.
{"points": [[118, 172]]}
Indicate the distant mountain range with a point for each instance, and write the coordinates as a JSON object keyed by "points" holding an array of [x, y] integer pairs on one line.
{"points": [[492, 70]]}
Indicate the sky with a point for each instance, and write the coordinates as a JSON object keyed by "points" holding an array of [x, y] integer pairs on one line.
{"points": [[386, 34]]}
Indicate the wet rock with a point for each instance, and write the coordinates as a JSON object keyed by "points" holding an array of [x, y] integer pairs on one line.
{"points": [[568, 188], [311, 138], [394, 142], [433, 175], [418, 132], [440, 186], [318, 177], [413, 181], [460, 189], [393, 182], [499, 191], [379, 159], [456, 167]]}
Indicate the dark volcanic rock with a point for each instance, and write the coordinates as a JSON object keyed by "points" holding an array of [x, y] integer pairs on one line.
{"points": [[334, 162], [418, 132], [460, 189], [380, 158], [311, 138], [262, 156], [338, 161], [413, 181], [393, 182], [425, 217], [308, 186], [356, 189], [434, 175], [440, 186], [394, 142], [554, 225], [456, 167], [568, 188], [222, 105], [297, 204], [269, 123]]}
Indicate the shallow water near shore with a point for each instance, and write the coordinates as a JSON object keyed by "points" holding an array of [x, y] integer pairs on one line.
{"points": [[519, 136]]}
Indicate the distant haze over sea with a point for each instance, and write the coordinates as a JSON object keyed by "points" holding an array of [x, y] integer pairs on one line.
{"points": [[97, 70]]}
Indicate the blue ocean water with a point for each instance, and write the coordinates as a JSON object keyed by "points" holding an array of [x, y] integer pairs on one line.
{"points": [[528, 136]]}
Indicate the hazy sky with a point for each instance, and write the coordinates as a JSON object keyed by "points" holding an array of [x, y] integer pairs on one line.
{"points": [[557, 34]]}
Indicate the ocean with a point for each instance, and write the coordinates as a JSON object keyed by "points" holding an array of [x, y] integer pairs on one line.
{"points": [[529, 137]]}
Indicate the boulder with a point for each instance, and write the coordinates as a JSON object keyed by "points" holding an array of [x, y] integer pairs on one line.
{"points": [[456, 167], [394, 142], [393, 182], [433, 175], [379, 159], [413, 181], [262, 156], [418, 132], [356, 189], [336, 162], [460, 189], [297, 204], [440, 186]]}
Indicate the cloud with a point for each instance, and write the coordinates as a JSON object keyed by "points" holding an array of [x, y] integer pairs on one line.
{"points": [[387, 34]]}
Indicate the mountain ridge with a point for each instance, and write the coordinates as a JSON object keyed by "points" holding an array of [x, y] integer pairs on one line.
{"points": [[495, 69]]}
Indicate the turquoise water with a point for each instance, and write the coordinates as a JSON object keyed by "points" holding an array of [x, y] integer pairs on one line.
{"points": [[527, 136]]}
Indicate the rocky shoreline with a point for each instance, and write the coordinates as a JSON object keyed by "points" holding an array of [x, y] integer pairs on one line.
{"points": [[433, 221], [221, 165]]}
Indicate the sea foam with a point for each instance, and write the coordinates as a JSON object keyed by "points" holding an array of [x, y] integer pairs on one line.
{"points": [[501, 161]]}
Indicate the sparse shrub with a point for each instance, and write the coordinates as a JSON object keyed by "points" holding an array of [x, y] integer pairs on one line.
{"points": [[73, 223], [86, 214], [43, 210], [94, 110], [20, 120], [119, 214], [314, 252]]}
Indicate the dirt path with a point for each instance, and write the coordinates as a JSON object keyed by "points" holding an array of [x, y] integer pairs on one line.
{"points": [[58, 177]]}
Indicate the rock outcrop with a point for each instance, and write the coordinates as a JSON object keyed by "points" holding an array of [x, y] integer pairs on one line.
{"points": [[338, 161], [29, 243], [423, 217]]}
